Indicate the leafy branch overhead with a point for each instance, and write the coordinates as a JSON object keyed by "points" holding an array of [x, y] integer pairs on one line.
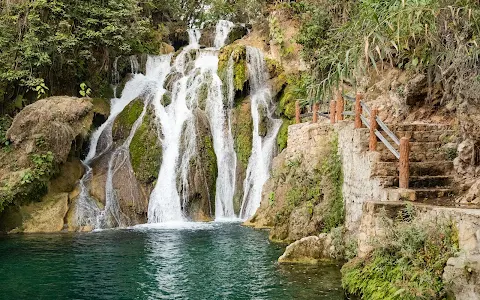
{"points": [[345, 39]]}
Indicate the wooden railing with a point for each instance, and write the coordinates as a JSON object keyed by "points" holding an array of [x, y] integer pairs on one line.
{"points": [[364, 116]]}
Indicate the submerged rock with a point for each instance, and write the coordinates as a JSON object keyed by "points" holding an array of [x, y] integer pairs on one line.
{"points": [[310, 249]]}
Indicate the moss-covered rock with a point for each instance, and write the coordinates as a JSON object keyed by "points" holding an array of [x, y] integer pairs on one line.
{"points": [[125, 120], [146, 150], [303, 197], [41, 137], [282, 136], [242, 130], [101, 106], [236, 33], [240, 70]]}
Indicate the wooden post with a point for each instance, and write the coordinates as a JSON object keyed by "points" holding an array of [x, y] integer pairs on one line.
{"points": [[315, 113], [358, 111], [373, 128], [297, 112], [404, 165], [333, 106], [340, 107]]}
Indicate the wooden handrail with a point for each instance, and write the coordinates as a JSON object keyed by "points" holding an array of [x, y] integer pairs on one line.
{"points": [[368, 118]]}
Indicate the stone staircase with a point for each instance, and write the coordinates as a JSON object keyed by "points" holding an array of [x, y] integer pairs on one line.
{"points": [[431, 164]]}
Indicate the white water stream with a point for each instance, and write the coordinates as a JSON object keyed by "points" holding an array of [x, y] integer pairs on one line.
{"points": [[258, 170]]}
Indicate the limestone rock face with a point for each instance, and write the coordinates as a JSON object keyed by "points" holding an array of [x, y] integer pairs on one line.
{"points": [[296, 197], [309, 249], [462, 276], [48, 215]]}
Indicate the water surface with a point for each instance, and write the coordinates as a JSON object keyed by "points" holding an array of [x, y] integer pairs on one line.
{"points": [[197, 261]]}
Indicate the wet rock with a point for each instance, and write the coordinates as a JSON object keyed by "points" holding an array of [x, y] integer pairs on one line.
{"points": [[203, 173]]}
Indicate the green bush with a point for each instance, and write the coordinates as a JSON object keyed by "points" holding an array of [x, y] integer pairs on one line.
{"points": [[406, 263]]}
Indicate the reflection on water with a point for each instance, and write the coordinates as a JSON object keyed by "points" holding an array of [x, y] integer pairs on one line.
{"points": [[193, 261]]}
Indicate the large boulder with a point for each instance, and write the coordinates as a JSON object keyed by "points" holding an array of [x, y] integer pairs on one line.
{"points": [[50, 124], [45, 137]]}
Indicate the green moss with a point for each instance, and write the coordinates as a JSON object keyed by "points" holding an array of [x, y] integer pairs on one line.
{"points": [[212, 167], [125, 120], [32, 184], [5, 123], [282, 136], [146, 151], [242, 130], [240, 73], [274, 67], [332, 182]]}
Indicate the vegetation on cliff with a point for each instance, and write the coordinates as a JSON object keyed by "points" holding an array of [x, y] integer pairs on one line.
{"points": [[407, 261], [343, 39]]}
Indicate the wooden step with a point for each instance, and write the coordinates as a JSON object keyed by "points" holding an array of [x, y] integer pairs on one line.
{"points": [[429, 168], [418, 181]]}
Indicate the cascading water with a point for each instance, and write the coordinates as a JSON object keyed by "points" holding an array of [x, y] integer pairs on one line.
{"points": [[222, 31], [258, 170], [177, 122], [88, 212]]}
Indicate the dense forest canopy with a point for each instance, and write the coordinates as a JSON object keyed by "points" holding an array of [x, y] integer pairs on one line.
{"points": [[52, 47]]}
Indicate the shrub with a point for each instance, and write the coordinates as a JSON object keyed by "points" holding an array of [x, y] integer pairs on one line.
{"points": [[407, 261]]}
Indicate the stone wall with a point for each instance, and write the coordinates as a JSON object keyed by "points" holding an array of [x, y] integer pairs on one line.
{"points": [[358, 164]]}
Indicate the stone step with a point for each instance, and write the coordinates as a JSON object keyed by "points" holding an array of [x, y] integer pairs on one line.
{"points": [[434, 193], [418, 127], [418, 181], [431, 168], [419, 152], [443, 136]]}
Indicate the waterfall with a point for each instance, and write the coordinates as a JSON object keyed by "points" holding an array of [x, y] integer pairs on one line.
{"points": [[258, 170], [222, 31], [193, 72], [115, 76], [134, 66], [87, 210]]}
